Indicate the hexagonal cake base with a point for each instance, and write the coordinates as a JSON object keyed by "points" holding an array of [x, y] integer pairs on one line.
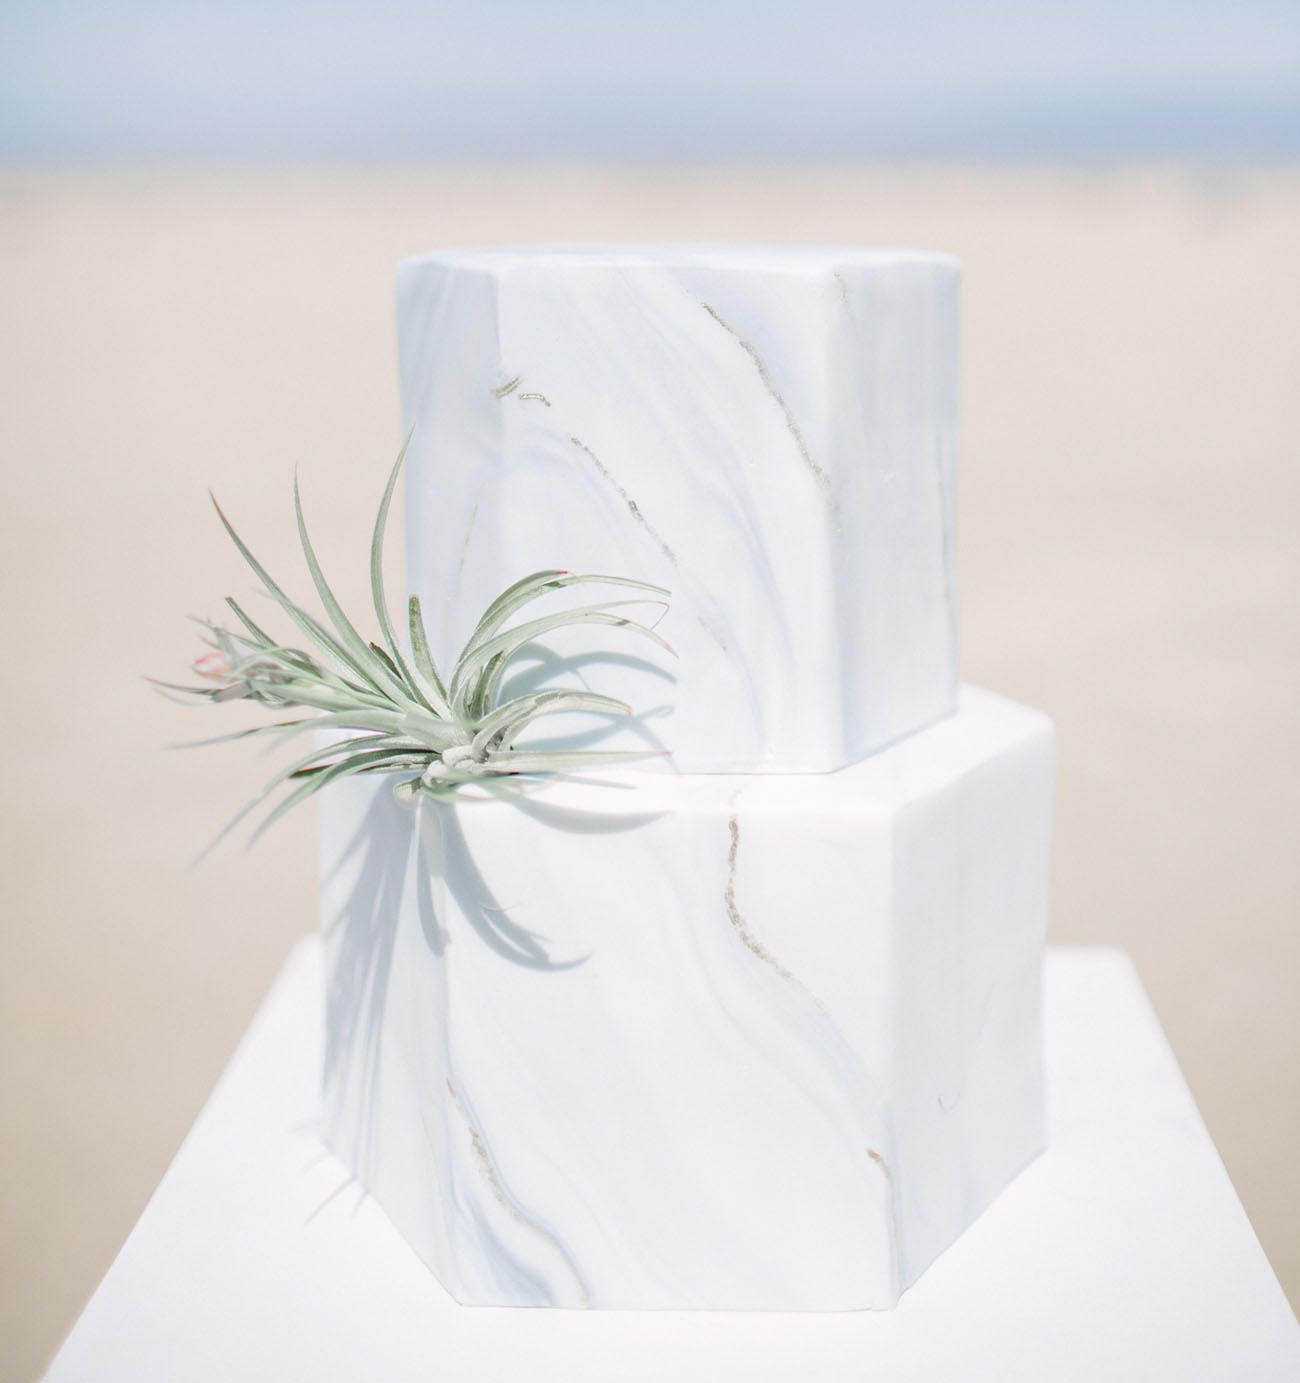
{"points": [[736, 1042]]}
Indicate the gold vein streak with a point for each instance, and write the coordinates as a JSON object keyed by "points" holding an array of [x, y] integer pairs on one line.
{"points": [[742, 927], [816, 471], [632, 506], [487, 1170]]}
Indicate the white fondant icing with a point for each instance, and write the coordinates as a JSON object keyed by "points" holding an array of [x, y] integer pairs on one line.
{"points": [[763, 1042], [769, 433]]}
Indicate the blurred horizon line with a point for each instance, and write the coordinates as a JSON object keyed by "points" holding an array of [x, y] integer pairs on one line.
{"points": [[1229, 166], [695, 81]]}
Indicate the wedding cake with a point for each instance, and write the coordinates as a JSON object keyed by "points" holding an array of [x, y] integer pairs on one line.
{"points": [[754, 1023]]}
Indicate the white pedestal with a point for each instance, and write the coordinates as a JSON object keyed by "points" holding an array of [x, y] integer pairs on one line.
{"points": [[1122, 1254]]}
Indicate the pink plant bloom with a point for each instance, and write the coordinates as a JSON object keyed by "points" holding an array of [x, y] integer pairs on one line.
{"points": [[214, 666]]}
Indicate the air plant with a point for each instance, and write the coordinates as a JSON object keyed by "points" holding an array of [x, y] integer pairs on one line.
{"points": [[388, 710]]}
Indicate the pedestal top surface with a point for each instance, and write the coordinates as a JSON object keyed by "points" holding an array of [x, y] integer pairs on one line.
{"points": [[1122, 1254]]}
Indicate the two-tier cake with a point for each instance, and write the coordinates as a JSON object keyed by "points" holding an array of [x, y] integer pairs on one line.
{"points": [[755, 1025]]}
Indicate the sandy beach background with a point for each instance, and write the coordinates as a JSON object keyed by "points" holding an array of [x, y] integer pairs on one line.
{"points": [[1129, 556]]}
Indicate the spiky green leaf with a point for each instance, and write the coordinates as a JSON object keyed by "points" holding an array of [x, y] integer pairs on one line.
{"points": [[511, 719], [363, 656], [541, 583], [309, 626], [473, 660], [398, 662], [423, 658]]}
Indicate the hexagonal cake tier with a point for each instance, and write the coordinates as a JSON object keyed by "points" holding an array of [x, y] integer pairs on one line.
{"points": [[744, 1042], [771, 434]]}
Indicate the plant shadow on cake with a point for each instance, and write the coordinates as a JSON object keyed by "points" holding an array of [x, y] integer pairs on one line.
{"points": [[383, 708], [378, 708]]}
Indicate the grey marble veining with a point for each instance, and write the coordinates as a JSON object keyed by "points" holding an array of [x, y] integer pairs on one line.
{"points": [[689, 1041], [769, 434]]}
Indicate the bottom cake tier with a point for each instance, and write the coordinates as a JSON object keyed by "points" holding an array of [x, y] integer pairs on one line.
{"points": [[731, 1042]]}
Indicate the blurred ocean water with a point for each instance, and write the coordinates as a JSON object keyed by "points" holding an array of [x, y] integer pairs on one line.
{"points": [[289, 80]]}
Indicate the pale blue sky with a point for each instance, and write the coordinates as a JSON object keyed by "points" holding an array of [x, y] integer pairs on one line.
{"points": [[275, 80]]}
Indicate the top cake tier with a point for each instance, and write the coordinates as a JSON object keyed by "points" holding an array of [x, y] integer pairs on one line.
{"points": [[769, 433]]}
